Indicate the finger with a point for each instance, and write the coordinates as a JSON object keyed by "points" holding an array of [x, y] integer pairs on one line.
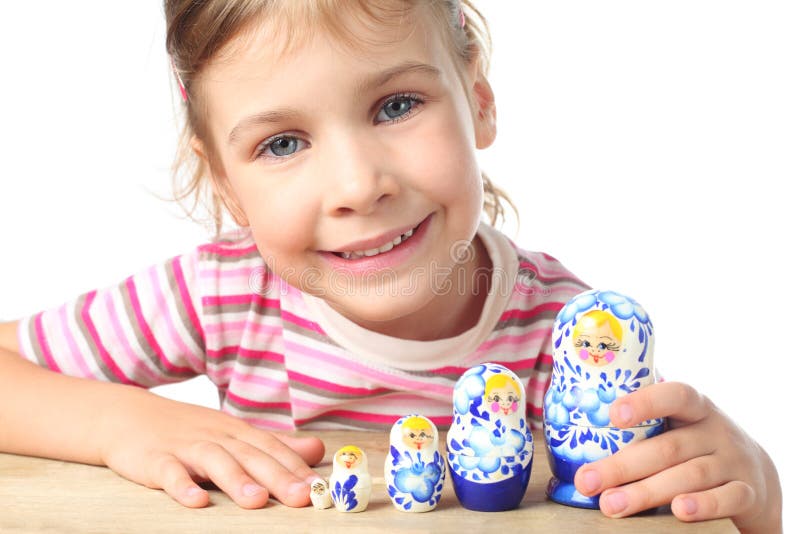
{"points": [[642, 459], [680, 402], [280, 480], [310, 448], [282, 449], [723, 501], [212, 461], [698, 474], [169, 474]]}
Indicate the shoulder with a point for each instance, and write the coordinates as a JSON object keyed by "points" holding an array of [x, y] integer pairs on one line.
{"points": [[231, 264], [544, 277], [232, 246]]}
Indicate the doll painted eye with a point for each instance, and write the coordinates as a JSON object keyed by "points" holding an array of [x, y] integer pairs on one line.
{"points": [[602, 346]]}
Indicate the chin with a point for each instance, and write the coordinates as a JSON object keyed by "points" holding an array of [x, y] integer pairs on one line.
{"points": [[379, 312]]}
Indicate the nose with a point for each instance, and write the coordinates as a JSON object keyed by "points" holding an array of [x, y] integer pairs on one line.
{"points": [[357, 176]]}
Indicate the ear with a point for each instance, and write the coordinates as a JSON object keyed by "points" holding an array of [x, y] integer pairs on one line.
{"points": [[220, 183], [485, 118]]}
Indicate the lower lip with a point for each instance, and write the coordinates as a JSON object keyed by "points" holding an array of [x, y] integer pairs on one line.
{"points": [[399, 254]]}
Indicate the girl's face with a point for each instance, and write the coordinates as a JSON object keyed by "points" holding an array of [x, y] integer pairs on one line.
{"points": [[330, 152]]}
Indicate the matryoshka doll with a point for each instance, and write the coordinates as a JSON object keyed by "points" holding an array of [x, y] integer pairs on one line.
{"points": [[489, 444], [350, 482], [414, 469], [602, 350], [320, 494]]}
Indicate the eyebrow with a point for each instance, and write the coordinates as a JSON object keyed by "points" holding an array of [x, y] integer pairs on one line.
{"points": [[373, 82]]}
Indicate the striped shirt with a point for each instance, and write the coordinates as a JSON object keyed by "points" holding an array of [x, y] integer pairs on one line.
{"points": [[283, 360]]}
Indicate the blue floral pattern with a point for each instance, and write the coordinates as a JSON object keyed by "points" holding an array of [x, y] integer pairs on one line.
{"points": [[413, 480], [343, 495]]}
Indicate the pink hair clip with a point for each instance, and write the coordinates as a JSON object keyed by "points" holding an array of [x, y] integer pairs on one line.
{"points": [[184, 97]]}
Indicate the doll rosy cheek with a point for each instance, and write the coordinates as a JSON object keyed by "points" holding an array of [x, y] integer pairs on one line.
{"points": [[514, 406], [584, 354], [495, 406], [609, 356]]}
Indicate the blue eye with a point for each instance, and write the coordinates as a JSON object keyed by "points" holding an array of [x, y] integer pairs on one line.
{"points": [[279, 147], [397, 107], [602, 346]]}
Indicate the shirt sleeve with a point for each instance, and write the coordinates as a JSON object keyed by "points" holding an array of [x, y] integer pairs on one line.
{"points": [[145, 331]]}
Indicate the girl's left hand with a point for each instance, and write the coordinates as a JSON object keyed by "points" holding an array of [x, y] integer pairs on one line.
{"points": [[705, 465]]}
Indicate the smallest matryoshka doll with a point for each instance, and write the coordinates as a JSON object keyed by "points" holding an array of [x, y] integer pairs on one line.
{"points": [[414, 469], [350, 482], [320, 494], [489, 444]]}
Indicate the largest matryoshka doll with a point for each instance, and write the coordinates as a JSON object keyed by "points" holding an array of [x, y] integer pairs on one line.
{"points": [[489, 444], [602, 350]]}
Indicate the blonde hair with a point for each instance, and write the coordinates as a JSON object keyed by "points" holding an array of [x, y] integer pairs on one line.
{"points": [[199, 30], [595, 319], [416, 422], [501, 381]]}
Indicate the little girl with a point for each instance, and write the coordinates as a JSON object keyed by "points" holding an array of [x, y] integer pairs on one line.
{"points": [[341, 138]]}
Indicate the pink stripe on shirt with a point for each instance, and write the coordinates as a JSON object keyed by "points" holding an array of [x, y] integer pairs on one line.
{"points": [[74, 351], [330, 386], [169, 326], [148, 334], [104, 355], [40, 337], [134, 360], [186, 299], [360, 370]]}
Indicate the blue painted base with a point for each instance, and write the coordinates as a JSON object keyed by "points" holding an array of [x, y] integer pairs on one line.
{"points": [[565, 493], [491, 497]]}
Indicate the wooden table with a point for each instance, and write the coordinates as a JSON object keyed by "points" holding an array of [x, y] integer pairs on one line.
{"points": [[39, 495]]}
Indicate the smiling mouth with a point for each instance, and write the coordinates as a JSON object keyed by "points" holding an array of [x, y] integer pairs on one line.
{"points": [[386, 247]]}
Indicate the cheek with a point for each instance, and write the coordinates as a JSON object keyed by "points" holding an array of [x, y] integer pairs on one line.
{"points": [[279, 224], [444, 163]]}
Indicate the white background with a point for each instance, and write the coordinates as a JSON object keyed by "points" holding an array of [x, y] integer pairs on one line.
{"points": [[650, 146]]}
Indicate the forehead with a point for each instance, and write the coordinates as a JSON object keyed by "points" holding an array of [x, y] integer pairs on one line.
{"points": [[277, 56]]}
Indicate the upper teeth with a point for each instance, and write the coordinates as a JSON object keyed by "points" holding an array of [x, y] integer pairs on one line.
{"points": [[386, 247]]}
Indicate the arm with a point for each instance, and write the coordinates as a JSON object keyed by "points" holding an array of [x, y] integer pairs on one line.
{"points": [[706, 465], [148, 439]]}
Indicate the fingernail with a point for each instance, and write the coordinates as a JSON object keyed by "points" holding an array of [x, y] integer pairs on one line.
{"points": [[625, 414], [591, 481], [251, 489], [689, 505], [616, 502]]}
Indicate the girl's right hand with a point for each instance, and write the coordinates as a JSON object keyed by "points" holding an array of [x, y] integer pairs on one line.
{"points": [[161, 443]]}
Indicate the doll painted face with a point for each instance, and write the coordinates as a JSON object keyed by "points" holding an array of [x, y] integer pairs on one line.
{"points": [[319, 487], [597, 338], [348, 458], [417, 434], [502, 394]]}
